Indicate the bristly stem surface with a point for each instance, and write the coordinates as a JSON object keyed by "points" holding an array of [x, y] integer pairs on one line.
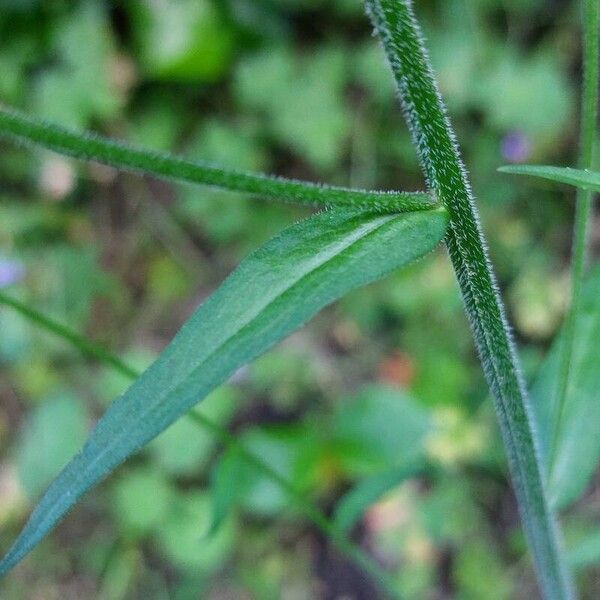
{"points": [[312, 512], [438, 152], [583, 211], [87, 146]]}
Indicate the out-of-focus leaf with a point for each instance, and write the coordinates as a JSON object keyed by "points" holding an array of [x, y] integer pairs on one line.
{"points": [[288, 377], [538, 82], [370, 71], [167, 280], [141, 499], [448, 512], [272, 293], [79, 88], [290, 452], [479, 573], [581, 178], [457, 62], [230, 480], [120, 574], [16, 338], [182, 536], [303, 101], [585, 552], [182, 41], [578, 449], [379, 428], [353, 505], [51, 435], [537, 298], [17, 55]]}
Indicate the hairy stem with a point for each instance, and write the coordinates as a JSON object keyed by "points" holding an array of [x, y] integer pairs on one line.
{"points": [[583, 211], [314, 514], [438, 152], [87, 146]]}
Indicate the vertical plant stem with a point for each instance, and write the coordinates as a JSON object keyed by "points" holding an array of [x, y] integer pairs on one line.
{"points": [[89, 349], [438, 152], [583, 211]]}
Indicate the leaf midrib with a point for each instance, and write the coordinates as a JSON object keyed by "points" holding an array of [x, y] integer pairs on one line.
{"points": [[382, 221]]}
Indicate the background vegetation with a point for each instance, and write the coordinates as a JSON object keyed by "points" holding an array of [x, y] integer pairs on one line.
{"points": [[381, 385]]}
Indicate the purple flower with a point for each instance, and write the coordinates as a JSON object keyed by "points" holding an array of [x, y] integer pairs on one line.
{"points": [[516, 147], [11, 271]]}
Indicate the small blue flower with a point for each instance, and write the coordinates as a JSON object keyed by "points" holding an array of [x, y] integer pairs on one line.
{"points": [[516, 147], [11, 271]]}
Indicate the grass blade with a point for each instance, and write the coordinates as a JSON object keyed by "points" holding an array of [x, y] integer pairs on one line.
{"points": [[577, 447], [272, 293], [438, 152], [581, 178], [87, 146]]}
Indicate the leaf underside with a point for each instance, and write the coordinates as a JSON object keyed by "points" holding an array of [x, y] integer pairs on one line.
{"points": [[581, 178], [272, 293]]}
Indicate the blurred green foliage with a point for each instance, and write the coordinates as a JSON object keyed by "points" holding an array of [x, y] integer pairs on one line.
{"points": [[296, 87]]}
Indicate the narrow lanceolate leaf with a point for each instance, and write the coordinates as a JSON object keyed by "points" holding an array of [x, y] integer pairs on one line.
{"points": [[86, 146], [577, 450], [272, 293], [581, 178], [446, 176]]}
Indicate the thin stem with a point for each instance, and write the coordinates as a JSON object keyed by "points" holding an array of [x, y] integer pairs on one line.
{"points": [[79, 342], [317, 517], [87, 146], [447, 179], [583, 211]]}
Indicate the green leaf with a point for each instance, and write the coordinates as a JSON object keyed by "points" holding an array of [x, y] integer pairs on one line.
{"points": [[480, 573], [140, 501], [379, 428], [182, 41], [585, 552], [183, 538], [303, 100], [272, 293], [537, 81], [85, 146], [578, 445], [238, 482], [581, 178], [78, 88], [353, 505]]}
